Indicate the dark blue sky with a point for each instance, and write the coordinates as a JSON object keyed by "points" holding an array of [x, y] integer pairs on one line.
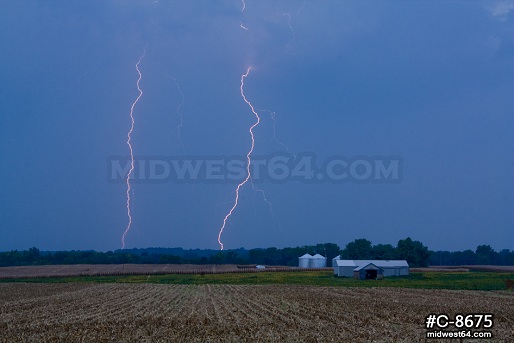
{"points": [[428, 82]]}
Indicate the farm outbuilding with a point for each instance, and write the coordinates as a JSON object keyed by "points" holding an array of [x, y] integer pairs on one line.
{"points": [[383, 268], [367, 272]]}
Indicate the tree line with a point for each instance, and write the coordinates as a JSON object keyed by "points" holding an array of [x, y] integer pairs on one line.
{"points": [[483, 255], [416, 254]]}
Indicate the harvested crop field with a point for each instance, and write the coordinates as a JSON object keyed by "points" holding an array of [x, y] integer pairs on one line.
{"points": [[132, 269], [93, 312], [467, 268]]}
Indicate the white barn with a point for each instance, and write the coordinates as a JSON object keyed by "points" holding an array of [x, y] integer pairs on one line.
{"points": [[384, 267]]}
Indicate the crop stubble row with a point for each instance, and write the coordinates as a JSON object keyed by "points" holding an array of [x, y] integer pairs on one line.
{"points": [[46, 271], [211, 313]]}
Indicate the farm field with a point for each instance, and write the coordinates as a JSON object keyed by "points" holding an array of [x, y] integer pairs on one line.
{"points": [[132, 269], [112, 269], [46, 271], [456, 280], [480, 268], [95, 312]]}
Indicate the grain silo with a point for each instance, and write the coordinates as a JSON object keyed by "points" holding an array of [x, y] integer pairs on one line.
{"points": [[304, 261], [335, 259], [317, 261]]}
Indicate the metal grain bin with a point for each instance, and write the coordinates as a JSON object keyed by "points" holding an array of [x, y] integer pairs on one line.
{"points": [[318, 261], [304, 261]]}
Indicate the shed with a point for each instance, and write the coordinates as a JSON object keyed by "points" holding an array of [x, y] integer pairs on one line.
{"points": [[388, 267], [368, 272]]}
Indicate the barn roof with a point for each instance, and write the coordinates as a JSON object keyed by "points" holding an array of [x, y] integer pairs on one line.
{"points": [[392, 263], [378, 263], [366, 266], [345, 263]]}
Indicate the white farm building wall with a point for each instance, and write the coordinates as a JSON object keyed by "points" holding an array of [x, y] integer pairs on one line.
{"points": [[345, 271], [395, 271], [389, 267], [344, 267]]}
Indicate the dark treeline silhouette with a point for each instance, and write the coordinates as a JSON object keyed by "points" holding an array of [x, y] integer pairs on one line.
{"points": [[483, 255], [269, 256], [416, 254]]}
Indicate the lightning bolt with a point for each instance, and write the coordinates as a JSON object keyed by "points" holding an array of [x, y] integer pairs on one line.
{"points": [[272, 214], [255, 112], [288, 15], [129, 139], [248, 157], [243, 26], [291, 29], [273, 118]]}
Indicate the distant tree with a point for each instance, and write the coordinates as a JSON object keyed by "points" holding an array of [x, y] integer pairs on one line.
{"points": [[10, 258], [231, 257], [273, 256], [256, 256], [414, 252], [218, 258], [32, 255], [485, 254], [440, 258], [462, 258], [383, 252], [170, 259], [359, 249], [505, 257], [329, 250], [290, 255]]}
